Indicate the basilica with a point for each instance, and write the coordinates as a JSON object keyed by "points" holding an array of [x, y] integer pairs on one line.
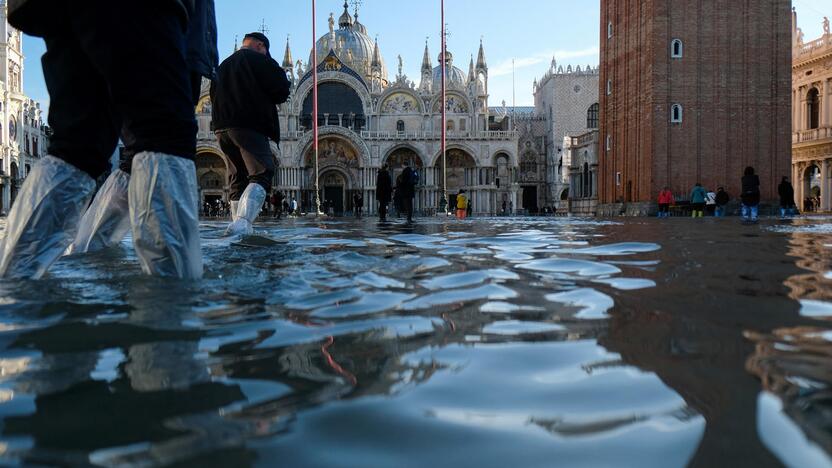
{"points": [[368, 119]]}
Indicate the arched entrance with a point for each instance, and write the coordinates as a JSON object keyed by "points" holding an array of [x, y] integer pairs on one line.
{"points": [[811, 189], [461, 173], [334, 188], [397, 159], [212, 176]]}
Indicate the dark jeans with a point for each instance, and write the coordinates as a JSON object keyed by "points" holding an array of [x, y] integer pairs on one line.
{"points": [[251, 160], [382, 211], [118, 69], [407, 207]]}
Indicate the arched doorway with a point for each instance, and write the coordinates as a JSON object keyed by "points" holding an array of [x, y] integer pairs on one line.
{"points": [[396, 160], [460, 174], [212, 176], [811, 189], [334, 188]]}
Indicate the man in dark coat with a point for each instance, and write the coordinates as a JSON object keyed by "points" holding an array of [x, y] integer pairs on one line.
{"points": [[408, 188], [249, 87], [113, 69], [384, 192], [750, 194], [786, 192]]}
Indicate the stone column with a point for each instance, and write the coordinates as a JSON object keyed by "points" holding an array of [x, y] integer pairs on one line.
{"points": [[824, 185], [826, 105], [795, 111]]}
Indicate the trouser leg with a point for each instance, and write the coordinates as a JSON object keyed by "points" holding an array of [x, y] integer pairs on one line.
{"points": [[237, 173], [256, 155]]}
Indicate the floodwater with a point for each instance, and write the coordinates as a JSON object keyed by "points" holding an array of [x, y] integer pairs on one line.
{"points": [[489, 343]]}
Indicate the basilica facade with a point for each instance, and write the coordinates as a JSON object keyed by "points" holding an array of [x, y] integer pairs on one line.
{"points": [[368, 119], [23, 134]]}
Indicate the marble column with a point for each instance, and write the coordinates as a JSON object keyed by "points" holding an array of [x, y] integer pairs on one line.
{"points": [[826, 105], [795, 111]]}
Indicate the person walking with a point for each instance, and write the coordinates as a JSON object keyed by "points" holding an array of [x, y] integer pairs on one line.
{"points": [[461, 205], [722, 199], [409, 181], [384, 192], [356, 204], [710, 203], [98, 93], [293, 206], [249, 86], [665, 200], [750, 195], [697, 200], [786, 192]]}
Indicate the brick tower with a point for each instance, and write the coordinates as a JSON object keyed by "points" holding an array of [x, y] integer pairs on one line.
{"points": [[692, 92]]}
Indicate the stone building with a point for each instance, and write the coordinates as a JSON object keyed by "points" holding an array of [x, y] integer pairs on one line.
{"points": [[582, 153], [367, 120], [23, 134], [568, 98], [812, 122], [692, 92]]}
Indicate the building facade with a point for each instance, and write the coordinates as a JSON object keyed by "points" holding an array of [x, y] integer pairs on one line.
{"points": [[568, 98], [812, 122], [582, 154], [367, 120], [692, 92], [23, 134]]}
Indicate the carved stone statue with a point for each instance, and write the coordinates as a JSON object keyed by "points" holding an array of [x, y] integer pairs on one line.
{"points": [[400, 65], [299, 67], [799, 36], [331, 23], [826, 25]]}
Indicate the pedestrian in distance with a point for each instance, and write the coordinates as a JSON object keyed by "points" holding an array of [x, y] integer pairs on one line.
{"points": [[461, 205], [98, 93], [665, 200], [722, 199], [750, 195], [697, 200], [710, 203], [408, 188], [249, 86], [786, 192], [384, 192]]}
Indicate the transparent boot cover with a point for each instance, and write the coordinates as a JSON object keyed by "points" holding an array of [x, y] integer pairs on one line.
{"points": [[234, 206], [44, 219], [251, 202], [107, 220], [164, 215]]}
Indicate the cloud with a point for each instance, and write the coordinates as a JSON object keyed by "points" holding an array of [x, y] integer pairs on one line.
{"points": [[505, 67]]}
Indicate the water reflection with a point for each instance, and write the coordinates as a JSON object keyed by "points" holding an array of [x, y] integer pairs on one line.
{"points": [[485, 343]]}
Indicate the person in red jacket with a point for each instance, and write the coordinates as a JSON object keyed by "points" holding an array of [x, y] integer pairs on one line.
{"points": [[665, 200]]}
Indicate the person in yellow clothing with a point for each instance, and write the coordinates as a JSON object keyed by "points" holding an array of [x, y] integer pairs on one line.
{"points": [[461, 205]]}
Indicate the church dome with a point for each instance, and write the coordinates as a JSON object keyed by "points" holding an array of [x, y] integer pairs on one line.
{"points": [[351, 44], [454, 77]]}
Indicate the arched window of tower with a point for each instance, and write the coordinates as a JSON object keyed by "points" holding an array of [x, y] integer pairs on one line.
{"points": [[677, 49], [676, 113], [338, 105]]}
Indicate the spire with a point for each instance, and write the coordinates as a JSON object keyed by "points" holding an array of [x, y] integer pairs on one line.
{"points": [[376, 56], [426, 65], [356, 24], [472, 76], [481, 65], [287, 56]]}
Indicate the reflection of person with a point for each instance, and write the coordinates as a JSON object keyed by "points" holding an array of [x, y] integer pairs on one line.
{"points": [[384, 192], [97, 91], [750, 194], [249, 85]]}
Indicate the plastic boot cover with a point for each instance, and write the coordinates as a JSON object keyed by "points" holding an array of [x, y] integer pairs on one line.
{"points": [[234, 206], [107, 220], [164, 215], [44, 219], [251, 202]]}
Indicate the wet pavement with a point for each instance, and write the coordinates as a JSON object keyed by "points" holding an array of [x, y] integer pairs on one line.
{"points": [[491, 342]]}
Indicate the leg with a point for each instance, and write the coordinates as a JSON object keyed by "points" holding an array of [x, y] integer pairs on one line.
{"points": [[237, 174], [258, 160], [44, 221], [151, 90]]}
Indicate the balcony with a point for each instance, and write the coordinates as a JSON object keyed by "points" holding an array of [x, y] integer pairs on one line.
{"points": [[816, 134], [813, 49]]}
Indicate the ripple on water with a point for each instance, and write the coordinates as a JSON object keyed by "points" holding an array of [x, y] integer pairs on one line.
{"points": [[369, 303], [567, 265], [317, 300], [624, 248], [499, 307], [468, 278], [377, 281], [627, 284], [593, 304], [811, 308], [518, 327], [492, 292]]}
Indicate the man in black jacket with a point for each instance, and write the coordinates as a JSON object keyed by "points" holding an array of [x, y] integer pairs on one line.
{"points": [[112, 69], [249, 87]]}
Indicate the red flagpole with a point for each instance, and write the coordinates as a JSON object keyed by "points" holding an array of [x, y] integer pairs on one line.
{"points": [[444, 111], [315, 105]]}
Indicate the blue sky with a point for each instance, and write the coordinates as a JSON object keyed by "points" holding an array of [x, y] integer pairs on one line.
{"points": [[529, 31]]}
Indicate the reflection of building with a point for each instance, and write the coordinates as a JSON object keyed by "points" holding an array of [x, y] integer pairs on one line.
{"points": [[582, 154], [812, 121], [691, 92], [23, 135], [367, 120]]}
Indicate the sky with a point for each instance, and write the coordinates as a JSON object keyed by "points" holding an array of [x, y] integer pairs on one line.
{"points": [[530, 32]]}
